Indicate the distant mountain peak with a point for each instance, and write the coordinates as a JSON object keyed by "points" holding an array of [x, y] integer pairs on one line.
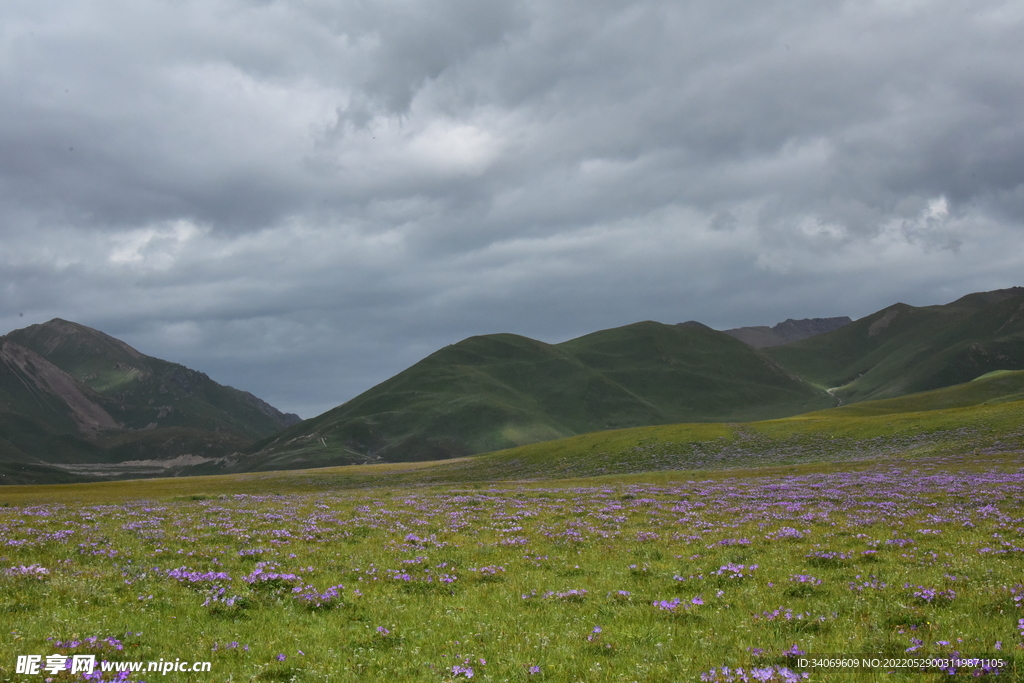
{"points": [[786, 332]]}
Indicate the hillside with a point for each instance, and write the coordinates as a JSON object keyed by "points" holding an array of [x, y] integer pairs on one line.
{"points": [[905, 349], [497, 391], [976, 420], [71, 395]]}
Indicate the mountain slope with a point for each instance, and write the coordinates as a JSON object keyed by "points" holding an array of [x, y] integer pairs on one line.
{"points": [[142, 392], [72, 395], [35, 387], [903, 349], [503, 390]]}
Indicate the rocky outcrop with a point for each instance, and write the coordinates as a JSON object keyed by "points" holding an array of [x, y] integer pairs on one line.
{"points": [[786, 332]]}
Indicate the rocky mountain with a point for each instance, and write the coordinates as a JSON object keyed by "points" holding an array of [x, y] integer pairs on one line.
{"points": [[786, 332]]}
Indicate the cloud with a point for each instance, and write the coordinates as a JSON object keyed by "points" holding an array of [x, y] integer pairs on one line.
{"points": [[302, 199]]}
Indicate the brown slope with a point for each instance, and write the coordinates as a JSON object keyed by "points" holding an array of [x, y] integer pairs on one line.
{"points": [[50, 390]]}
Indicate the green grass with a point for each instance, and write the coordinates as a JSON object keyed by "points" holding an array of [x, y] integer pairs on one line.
{"points": [[626, 541]]}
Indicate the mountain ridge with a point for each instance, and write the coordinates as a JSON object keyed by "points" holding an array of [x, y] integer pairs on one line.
{"points": [[91, 404], [786, 332], [496, 391]]}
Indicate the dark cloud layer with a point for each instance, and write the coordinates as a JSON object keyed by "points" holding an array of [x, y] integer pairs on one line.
{"points": [[303, 198]]}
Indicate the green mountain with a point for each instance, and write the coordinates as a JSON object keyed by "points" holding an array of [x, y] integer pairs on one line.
{"points": [[71, 395], [76, 402], [904, 349], [502, 390]]}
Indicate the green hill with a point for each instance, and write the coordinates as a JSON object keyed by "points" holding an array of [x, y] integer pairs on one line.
{"points": [[497, 391], [903, 349]]}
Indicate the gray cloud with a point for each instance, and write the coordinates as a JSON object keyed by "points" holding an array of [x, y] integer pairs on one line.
{"points": [[303, 198]]}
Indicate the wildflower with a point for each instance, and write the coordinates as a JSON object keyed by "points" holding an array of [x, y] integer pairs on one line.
{"points": [[33, 570], [459, 670], [765, 674], [281, 657], [735, 571], [667, 605], [805, 579]]}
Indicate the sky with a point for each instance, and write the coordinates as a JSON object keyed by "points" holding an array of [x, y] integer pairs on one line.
{"points": [[303, 198]]}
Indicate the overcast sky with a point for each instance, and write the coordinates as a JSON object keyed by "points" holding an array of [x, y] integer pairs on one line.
{"points": [[303, 198]]}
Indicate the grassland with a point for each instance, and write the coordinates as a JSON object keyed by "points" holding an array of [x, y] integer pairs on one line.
{"points": [[562, 581], [890, 530]]}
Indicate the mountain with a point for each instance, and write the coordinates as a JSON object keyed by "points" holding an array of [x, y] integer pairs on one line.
{"points": [[905, 349], [70, 395], [75, 402], [502, 390], [786, 332]]}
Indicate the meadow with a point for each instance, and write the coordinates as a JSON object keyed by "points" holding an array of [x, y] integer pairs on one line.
{"points": [[673, 576]]}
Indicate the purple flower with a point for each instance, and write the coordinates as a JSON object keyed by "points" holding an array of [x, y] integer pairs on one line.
{"points": [[667, 605], [281, 657], [735, 571], [458, 670], [33, 570]]}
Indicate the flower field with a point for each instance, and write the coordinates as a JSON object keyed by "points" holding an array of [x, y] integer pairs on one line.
{"points": [[718, 579]]}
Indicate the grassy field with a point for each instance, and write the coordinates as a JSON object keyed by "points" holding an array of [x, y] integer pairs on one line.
{"points": [[890, 530], [645, 578]]}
